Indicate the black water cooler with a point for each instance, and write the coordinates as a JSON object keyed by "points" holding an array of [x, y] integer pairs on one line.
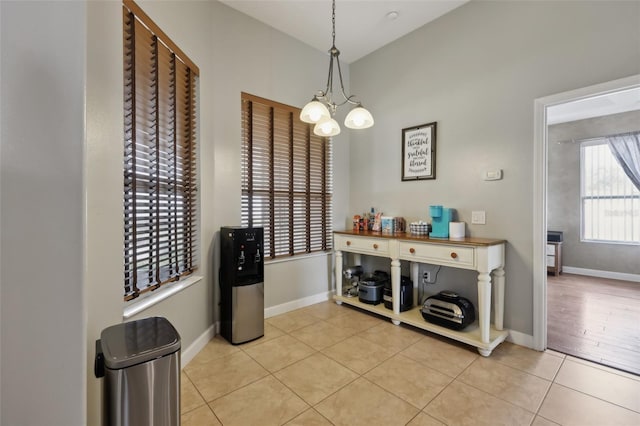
{"points": [[241, 284]]}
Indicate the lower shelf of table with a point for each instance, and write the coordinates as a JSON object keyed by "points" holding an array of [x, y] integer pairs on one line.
{"points": [[470, 335]]}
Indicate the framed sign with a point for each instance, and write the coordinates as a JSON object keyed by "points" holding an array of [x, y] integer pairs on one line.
{"points": [[419, 152]]}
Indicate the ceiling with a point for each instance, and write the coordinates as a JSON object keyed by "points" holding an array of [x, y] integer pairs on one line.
{"points": [[362, 26]]}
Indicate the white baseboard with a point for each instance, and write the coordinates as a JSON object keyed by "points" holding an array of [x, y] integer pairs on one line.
{"points": [[189, 353], [297, 304], [521, 339], [602, 274]]}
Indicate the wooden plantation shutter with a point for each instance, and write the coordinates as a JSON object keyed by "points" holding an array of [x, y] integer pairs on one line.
{"points": [[286, 178], [160, 87]]}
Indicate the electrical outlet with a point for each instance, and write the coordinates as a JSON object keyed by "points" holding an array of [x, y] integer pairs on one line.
{"points": [[430, 275], [478, 217]]}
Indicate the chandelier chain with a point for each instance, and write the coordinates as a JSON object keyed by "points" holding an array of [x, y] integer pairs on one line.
{"points": [[333, 22]]}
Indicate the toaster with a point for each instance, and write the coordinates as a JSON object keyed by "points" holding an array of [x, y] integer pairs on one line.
{"points": [[449, 310]]}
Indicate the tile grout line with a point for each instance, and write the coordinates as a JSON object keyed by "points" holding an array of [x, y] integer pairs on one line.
{"points": [[399, 352], [316, 351], [453, 379], [603, 367], [495, 396], [313, 406], [201, 396], [529, 372], [194, 386], [550, 382], [566, 359], [309, 406], [358, 375], [236, 389], [598, 398], [233, 390]]}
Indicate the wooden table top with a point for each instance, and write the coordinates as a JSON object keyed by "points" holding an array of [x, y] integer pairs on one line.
{"points": [[407, 236]]}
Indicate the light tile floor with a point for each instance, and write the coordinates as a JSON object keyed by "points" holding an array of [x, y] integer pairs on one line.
{"points": [[336, 365]]}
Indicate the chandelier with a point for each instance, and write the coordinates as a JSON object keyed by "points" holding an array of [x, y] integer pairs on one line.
{"points": [[321, 109]]}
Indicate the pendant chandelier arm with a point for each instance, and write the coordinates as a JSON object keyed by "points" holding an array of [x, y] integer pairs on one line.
{"points": [[344, 95], [327, 94]]}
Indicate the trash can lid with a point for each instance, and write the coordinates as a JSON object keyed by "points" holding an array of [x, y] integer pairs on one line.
{"points": [[135, 342]]}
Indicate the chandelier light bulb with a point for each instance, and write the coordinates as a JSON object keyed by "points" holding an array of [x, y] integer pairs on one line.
{"points": [[358, 118], [327, 127], [314, 111], [315, 115]]}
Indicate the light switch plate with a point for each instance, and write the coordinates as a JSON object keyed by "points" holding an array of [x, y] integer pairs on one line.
{"points": [[478, 217]]}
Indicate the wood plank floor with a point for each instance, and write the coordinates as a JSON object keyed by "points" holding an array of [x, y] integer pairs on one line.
{"points": [[596, 319]]}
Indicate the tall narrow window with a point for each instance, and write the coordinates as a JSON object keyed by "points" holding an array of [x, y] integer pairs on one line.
{"points": [[160, 88], [286, 179], [610, 201]]}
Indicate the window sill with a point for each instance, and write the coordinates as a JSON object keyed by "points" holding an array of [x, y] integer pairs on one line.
{"points": [[298, 257], [620, 243], [136, 306]]}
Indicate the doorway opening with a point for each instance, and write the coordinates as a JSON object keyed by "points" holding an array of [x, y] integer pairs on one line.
{"points": [[546, 311]]}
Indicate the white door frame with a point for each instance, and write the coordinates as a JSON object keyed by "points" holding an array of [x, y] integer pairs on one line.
{"points": [[540, 193]]}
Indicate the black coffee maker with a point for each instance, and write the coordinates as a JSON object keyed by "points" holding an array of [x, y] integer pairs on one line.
{"points": [[406, 294]]}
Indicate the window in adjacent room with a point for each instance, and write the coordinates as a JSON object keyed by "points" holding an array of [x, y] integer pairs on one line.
{"points": [[286, 179], [610, 201], [160, 202]]}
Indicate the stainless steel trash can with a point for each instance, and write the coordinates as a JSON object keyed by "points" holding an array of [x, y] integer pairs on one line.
{"points": [[142, 373]]}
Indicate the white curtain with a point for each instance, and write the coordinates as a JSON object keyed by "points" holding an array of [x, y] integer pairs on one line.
{"points": [[625, 148]]}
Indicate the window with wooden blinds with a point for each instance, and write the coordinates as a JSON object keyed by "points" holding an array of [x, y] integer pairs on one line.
{"points": [[160, 203], [286, 178]]}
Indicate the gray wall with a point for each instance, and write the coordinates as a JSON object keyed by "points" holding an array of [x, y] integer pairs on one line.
{"points": [[477, 71], [563, 194], [42, 292]]}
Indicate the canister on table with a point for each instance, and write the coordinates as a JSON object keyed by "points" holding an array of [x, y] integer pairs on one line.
{"points": [[356, 222]]}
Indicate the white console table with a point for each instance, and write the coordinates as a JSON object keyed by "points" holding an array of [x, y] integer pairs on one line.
{"points": [[486, 256]]}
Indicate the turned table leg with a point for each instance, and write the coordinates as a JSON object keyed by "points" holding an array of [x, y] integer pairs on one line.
{"points": [[484, 305], [395, 287], [338, 275]]}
